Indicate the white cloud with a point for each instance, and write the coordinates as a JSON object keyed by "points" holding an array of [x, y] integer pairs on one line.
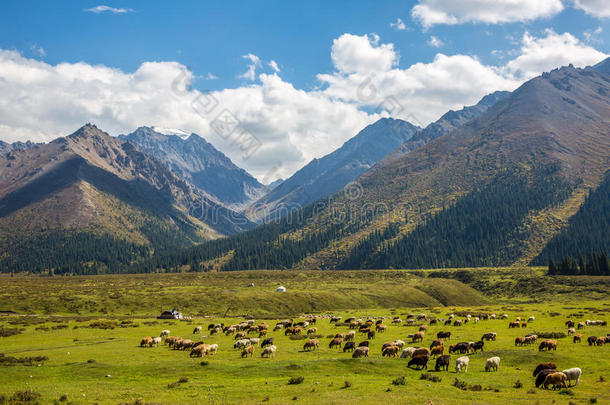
{"points": [[255, 62], [353, 53], [42, 101], [435, 42], [433, 12], [101, 9], [210, 76], [553, 50], [274, 66], [596, 8], [399, 25]]}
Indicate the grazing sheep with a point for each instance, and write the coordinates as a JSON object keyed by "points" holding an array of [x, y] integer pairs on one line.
{"points": [[146, 342], [570, 323], [492, 364], [580, 325], [381, 328], [371, 335], [571, 331], [477, 346], [548, 345], [240, 344], [254, 341], [213, 349], [164, 333], [514, 325], [199, 350], [311, 344], [437, 342], [336, 342], [423, 328], [557, 379], [420, 362], [443, 335], [350, 336], [461, 347], [197, 329], [418, 337], [457, 322], [349, 346], [572, 374], [531, 319], [541, 377], [592, 340], [437, 351], [156, 341], [360, 352], [544, 366], [421, 351], [269, 351], [489, 336], [407, 353], [461, 364], [248, 351], [390, 351], [267, 342], [399, 343], [442, 362], [311, 331], [577, 338], [240, 335], [364, 343]]}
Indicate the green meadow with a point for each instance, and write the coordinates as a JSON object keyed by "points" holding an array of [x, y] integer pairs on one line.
{"points": [[76, 339]]}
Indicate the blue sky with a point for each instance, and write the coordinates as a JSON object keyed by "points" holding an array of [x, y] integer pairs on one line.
{"points": [[131, 49]]}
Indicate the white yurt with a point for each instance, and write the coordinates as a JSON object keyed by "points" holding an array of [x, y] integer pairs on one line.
{"points": [[280, 289]]}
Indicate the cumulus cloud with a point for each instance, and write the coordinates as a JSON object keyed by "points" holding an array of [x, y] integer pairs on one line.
{"points": [[43, 101], [548, 52], [596, 8], [113, 10], [399, 25], [435, 42], [433, 12], [285, 127]]}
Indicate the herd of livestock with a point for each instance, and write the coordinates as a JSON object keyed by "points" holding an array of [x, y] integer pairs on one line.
{"points": [[546, 374]]}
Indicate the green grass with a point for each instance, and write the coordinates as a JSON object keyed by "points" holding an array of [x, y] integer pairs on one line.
{"points": [[79, 359]]}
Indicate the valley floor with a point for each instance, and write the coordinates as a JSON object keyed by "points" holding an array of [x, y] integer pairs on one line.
{"points": [[90, 329]]}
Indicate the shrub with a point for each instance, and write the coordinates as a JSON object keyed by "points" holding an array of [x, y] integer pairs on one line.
{"points": [[23, 361], [91, 361], [399, 380], [430, 377], [566, 391], [551, 335], [347, 384], [296, 380], [6, 332], [25, 397], [204, 363], [518, 384], [592, 400], [63, 398]]}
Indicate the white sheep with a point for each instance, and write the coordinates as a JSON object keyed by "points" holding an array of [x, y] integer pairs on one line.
{"points": [[157, 340], [213, 349], [573, 374], [492, 364], [269, 351], [461, 364], [407, 353], [164, 333]]}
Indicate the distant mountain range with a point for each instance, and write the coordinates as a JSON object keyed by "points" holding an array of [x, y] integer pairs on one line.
{"points": [[329, 174], [496, 190], [499, 183], [197, 161]]}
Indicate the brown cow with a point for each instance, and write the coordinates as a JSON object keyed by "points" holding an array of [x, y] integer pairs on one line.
{"points": [[349, 346], [421, 351], [442, 362], [437, 342], [577, 338], [514, 325], [419, 362], [146, 342], [544, 366], [418, 337]]}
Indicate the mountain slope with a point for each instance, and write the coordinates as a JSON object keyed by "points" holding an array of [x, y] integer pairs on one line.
{"points": [[7, 147], [92, 187], [448, 122], [463, 199], [329, 174], [197, 161]]}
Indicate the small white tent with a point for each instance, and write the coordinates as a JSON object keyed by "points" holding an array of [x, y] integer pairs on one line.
{"points": [[281, 289]]}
